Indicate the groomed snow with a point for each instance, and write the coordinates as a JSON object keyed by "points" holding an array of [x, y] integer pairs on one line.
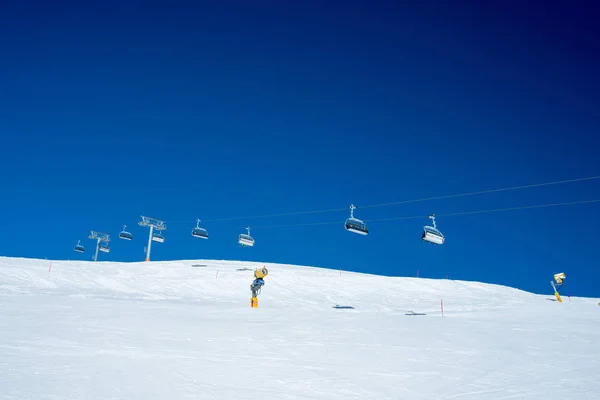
{"points": [[185, 330]]}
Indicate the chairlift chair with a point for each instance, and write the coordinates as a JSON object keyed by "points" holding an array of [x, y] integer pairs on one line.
{"points": [[124, 234], [104, 248], [246, 239], [431, 234], [199, 232], [355, 225], [157, 237], [79, 247]]}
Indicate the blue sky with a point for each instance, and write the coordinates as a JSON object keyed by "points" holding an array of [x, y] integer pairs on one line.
{"points": [[213, 110]]}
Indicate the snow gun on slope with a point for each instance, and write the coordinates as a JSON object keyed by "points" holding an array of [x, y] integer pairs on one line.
{"points": [[259, 275], [557, 283]]}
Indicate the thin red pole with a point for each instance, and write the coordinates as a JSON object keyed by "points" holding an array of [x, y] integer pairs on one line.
{"points": [[442, 306]]}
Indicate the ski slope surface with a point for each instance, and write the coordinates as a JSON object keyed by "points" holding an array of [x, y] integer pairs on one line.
{"points": [[185, 330]]}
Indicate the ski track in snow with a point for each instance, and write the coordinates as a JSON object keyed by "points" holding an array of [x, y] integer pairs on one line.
{"points": [[167, 330]]}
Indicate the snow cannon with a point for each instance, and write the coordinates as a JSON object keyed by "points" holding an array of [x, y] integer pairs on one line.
{"points": [[255, 287], [559, 278], [260, 273], [558, 281]]}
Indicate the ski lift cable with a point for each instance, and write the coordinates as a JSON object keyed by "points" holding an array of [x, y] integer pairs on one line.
{"points": [[403, 201], [484, 191], [440, 215]]}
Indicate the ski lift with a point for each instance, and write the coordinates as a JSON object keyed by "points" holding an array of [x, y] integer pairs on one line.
{"points": [[199, 232], [79, 247], [103, 247], [246, 239], [431, 234], [355, 225], [124, 234], [157, 237]]}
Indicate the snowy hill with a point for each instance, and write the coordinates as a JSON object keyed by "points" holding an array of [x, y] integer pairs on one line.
{"points": [[185, 330]]}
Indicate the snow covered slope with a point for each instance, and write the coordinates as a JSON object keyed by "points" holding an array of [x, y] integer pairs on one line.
{"points": [[185, 330]]}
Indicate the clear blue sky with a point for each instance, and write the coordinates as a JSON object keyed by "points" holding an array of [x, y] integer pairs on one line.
{"points": [[179, 110]]}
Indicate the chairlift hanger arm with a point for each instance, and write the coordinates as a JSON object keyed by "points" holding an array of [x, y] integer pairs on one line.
{"points": [[432, 216], [352, 208]]}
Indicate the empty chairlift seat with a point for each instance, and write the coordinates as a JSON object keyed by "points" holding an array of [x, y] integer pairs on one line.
{"points": [[79, 247], [431, 234], [157, 237], [246, 239], [124, 234], [355, 225], [199, 232]]}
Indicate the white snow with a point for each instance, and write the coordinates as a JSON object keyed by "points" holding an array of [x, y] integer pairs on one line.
{"points": [[171, 330]]}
